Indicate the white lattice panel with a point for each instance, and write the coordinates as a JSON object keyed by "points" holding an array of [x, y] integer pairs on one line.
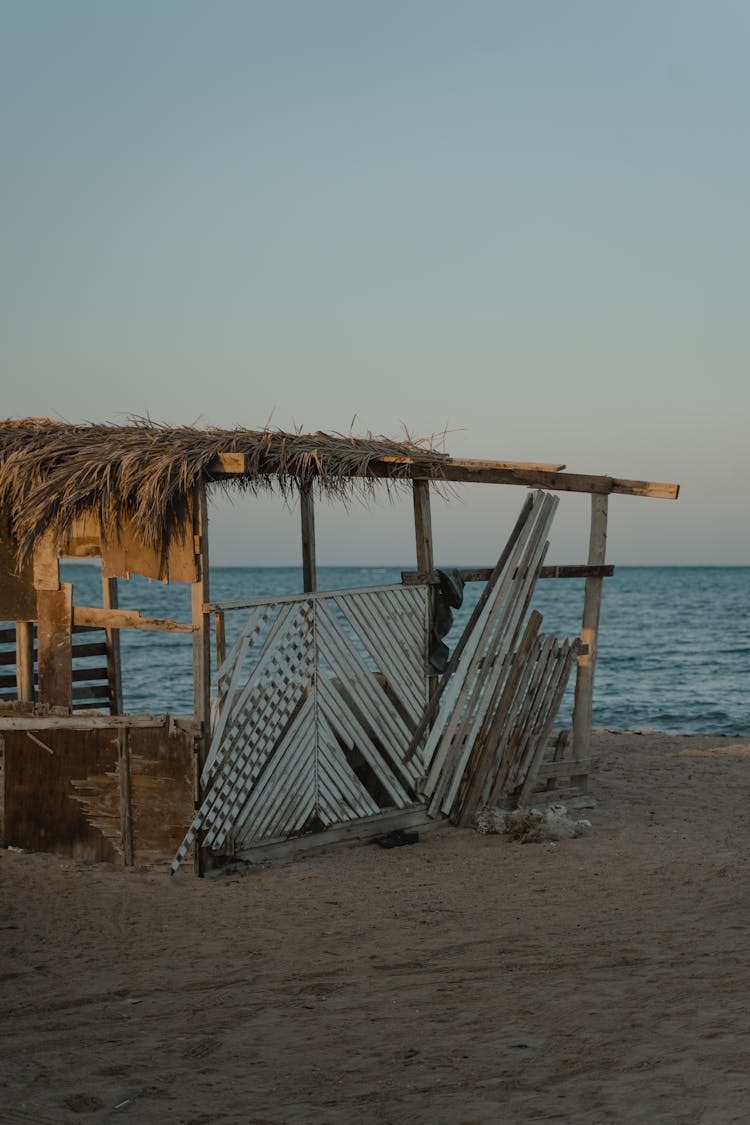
{"points": [[317, 732]]}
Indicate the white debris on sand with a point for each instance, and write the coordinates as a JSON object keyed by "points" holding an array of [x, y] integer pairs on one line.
{"points": [[533, 825]]}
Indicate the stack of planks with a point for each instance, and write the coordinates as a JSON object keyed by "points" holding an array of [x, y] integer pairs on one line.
{"points": [[496, 712]]}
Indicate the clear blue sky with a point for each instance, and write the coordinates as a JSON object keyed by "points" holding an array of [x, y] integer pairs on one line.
{"points": [[522, 221]]}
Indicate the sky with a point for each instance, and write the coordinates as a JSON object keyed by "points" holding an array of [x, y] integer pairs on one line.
{"points": [[520, 226]]}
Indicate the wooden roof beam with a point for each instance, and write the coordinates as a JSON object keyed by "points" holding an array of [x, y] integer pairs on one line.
{"points": [[530, 474]]}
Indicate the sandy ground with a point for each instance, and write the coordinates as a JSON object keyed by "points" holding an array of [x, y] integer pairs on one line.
{"points": [[465, 979]]}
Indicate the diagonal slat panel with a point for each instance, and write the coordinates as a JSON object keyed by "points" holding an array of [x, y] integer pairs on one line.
{"points": [[374, 621]]}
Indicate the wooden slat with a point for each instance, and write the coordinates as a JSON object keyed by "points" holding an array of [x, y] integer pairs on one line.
{"points": [[469, 636], [482, 574], [94, 691], [553, 699], [490, 742], [307, 527], [110, 600], [474, 689], [531, 474], [25, 661], [98, 618], [79, 652], [584, 686], [54, 645]]}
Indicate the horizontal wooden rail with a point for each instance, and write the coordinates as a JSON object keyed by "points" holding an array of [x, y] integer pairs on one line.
{"points": [[528, 473], [99, 618], [482, 574]]}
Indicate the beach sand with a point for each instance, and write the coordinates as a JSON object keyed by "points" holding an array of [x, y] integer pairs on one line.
{"points": [[465, 979]]}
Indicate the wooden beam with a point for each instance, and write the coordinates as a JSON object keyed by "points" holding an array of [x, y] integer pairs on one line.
{"points": [[25, 661], [592, 600], [201, 626], [54, 646], [96, 618], [531, 474], [114, 668], [423, 525], [482, 574], [307, 522]]}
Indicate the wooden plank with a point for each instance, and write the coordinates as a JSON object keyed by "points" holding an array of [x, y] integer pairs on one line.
{"points": [[46, 565], [90, 692], [528, 473], [96, 617], [547, 717], [201, 626], [495, 637], [92, 722], [482, 574], [307, 526], [350, 834], [54, 645], [423, 525], [469, 629], [584, 686], [110, 600], [290, 599], [126, 803], [481, 765], [25, 660]]}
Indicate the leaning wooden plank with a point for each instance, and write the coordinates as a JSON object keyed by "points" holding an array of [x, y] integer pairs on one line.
{"points": [[500, 637], [480, 763], [544, 689], [469, 629], [557, 689], [98, 618], [448, 704], [584, 685], [513, 737], [548, 657]]}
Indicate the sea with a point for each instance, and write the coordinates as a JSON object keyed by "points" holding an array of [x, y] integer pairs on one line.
{"points": [[674, 642]]}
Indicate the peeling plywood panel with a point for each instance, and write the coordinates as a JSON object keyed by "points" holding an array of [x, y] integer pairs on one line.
{"points": [[119, 794], [41, 811]]}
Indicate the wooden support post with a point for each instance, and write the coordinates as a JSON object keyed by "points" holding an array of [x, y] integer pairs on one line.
{"points": [[307, 519], [201, 623], [25, 661], [425, 560], [584, 689], [110, 600], [423, 526], [54, 646]]}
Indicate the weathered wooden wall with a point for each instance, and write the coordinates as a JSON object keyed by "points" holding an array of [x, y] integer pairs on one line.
{"points": [[116, 791]]}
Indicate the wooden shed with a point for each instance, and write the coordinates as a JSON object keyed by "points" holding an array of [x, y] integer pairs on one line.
{"points": [[325, 718]]}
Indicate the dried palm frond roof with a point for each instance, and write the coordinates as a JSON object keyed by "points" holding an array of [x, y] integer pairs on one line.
{"points": [[53, 473]]}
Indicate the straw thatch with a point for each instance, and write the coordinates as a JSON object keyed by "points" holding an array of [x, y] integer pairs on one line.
{"points": [[52, 474]]}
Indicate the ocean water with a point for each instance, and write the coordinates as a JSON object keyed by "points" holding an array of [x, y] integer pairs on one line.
{"points": [[674, 642]]}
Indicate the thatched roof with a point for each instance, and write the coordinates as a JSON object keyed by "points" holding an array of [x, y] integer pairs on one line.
{"points": [[52, 474]]}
